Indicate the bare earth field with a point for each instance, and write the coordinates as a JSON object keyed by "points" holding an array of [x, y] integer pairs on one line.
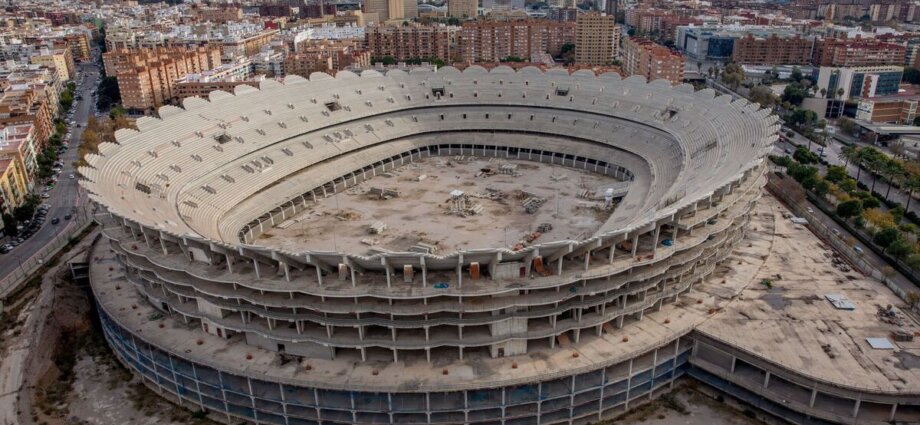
{"points": [[422, 209]]}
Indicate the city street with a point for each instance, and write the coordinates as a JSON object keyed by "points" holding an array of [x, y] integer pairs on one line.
{"points": [[834, 156], [67, 194]]}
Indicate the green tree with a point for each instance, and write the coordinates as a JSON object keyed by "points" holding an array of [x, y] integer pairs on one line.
{"points": [[762, 95], [848, 209], [794, 94], [887, 236], [836, 173], [848, 185], [900, 249], [10, 224], [821, 187], [803, 118], [805, 156], [870, 202]]}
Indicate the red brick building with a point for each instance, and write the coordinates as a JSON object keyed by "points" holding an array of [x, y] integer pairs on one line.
{"points": [[850, 52], [773, 50]]}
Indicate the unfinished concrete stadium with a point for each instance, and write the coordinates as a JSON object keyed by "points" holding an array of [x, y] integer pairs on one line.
{"points": [[479, 247]]}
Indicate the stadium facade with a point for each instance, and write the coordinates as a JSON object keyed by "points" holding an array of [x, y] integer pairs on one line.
{"points": [[193, 302]]}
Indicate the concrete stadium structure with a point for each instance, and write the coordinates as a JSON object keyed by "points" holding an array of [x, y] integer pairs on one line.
{"points": [[480, 335]]}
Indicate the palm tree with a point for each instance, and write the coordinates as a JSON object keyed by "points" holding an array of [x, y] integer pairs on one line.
{"points": [[911, 182], [849, 153], [891, 170], [876, 165]]}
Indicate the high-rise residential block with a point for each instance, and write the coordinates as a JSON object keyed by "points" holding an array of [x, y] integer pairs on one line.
{"points": [[462, 8], [597, 39], [407, 42], [773, 50], [147, 77], [653, 61], [494, 41], [857, 52]]}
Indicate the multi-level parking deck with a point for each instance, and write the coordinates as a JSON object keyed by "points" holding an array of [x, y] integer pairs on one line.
{"points": [[554, 329]]}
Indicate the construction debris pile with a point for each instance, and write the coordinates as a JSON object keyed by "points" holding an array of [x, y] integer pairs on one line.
{"points": [[890, 315], [460, 205], [531, 202]]}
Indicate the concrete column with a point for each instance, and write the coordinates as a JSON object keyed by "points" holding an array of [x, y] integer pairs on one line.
{"points": [[894, 410], [655, 236], [424, 272], [814, 395], [255, 265], [635, 245], [766, 380], [460, 270], [734, 361], [856, 407], [287, 270]]}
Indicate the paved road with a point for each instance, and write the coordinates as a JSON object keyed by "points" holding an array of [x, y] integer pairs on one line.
{"points": [[834, 156], [67, 195]]}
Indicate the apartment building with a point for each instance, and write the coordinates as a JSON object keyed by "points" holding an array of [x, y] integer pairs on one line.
{"points": [[494, 41], [849, 52], [653, 61], [239, 45], [344, 53], [217, 14], [597, 39], [306, 63], [19, 140], [147, 77], [406, 42], [27, 105], [61, 60], [13, 183], [391, 10], [78, 41], [773, 50], [646, 21], [463, 8]]}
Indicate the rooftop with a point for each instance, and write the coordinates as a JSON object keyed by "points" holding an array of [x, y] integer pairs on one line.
{"points": [[789, 324]]}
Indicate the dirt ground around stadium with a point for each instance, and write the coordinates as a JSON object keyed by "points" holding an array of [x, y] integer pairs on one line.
{"points": [[421, 212]]}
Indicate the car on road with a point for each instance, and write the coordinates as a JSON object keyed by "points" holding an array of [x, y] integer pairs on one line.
{"points": [[55, 220], [71, 176], [67, 217], [858, 249], [45, 196]]}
